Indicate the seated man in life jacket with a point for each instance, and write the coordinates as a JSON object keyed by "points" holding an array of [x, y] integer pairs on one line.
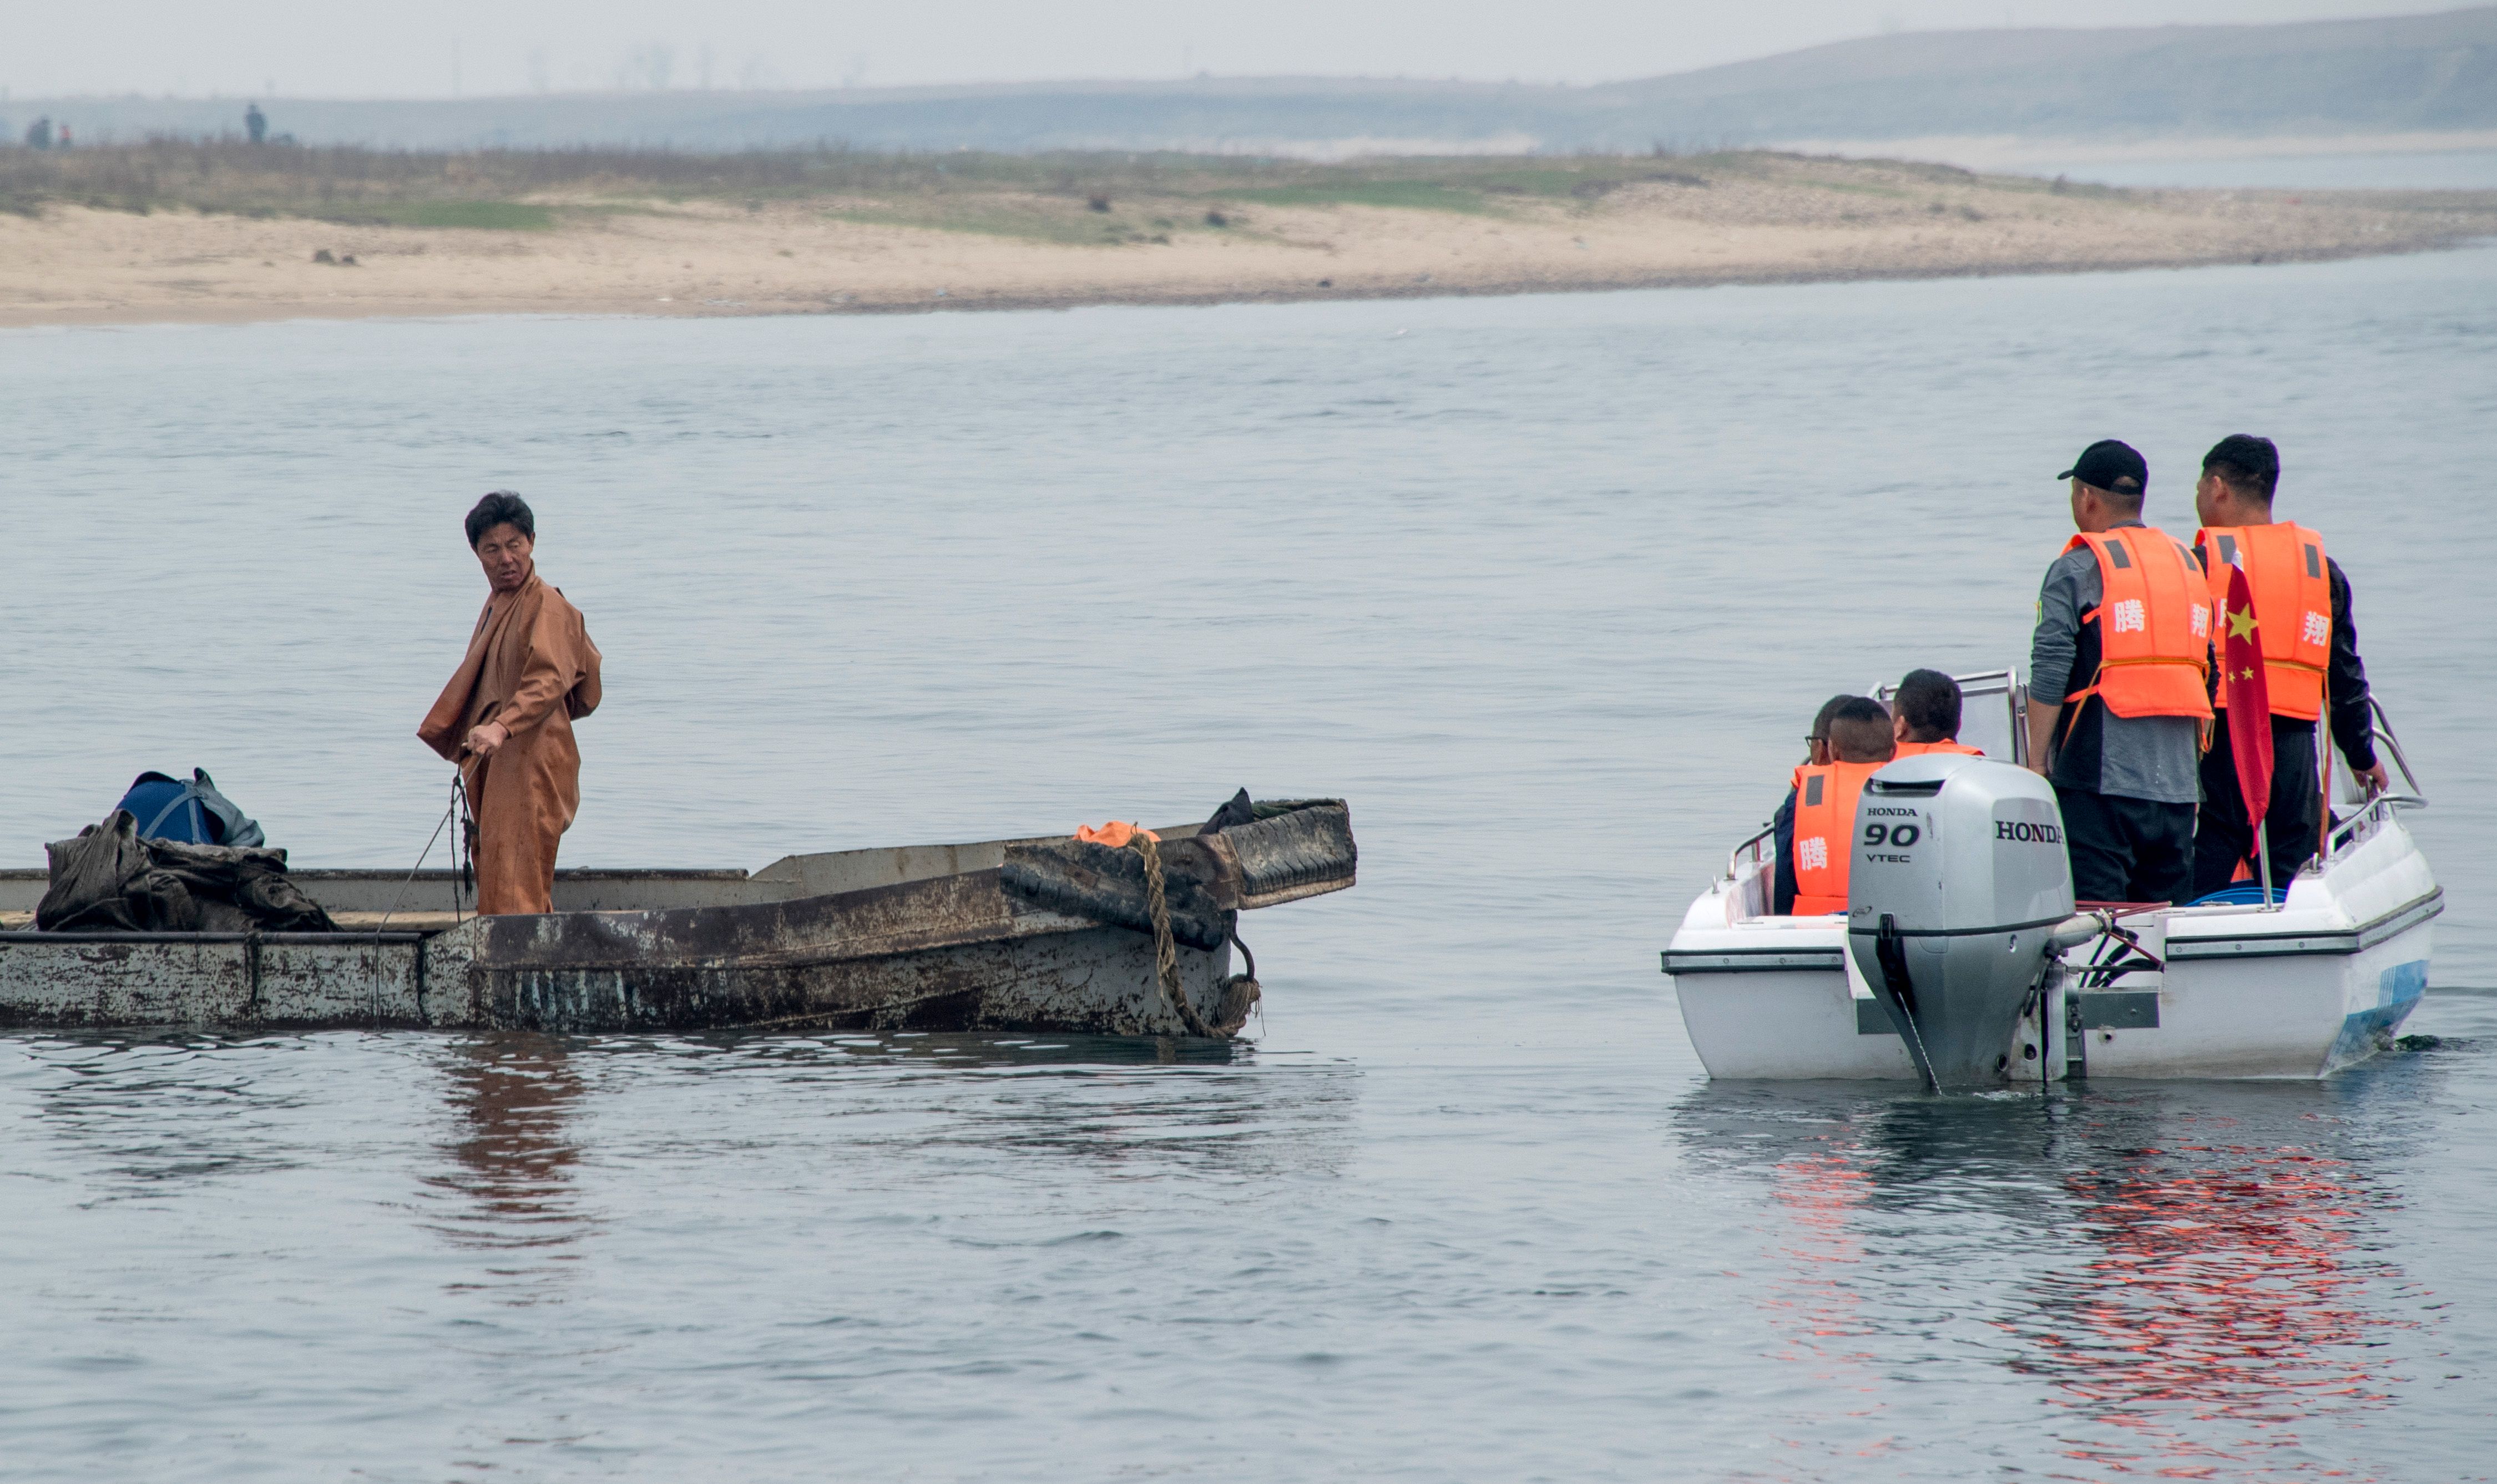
{"points": [[1924, 716], [1815, 824]]}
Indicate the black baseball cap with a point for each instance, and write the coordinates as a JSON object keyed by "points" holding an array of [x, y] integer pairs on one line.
{"points": [[2108, 460]]}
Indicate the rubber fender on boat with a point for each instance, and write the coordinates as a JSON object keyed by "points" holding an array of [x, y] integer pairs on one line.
{"points": [[1084, 879], [1295, 848]]}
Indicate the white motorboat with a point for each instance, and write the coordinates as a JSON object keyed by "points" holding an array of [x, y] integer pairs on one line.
{"points": [[2234, 986]]}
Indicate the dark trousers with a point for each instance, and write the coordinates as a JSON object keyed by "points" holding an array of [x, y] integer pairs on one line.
{"points": [[2224, 838], [2127, 849]]}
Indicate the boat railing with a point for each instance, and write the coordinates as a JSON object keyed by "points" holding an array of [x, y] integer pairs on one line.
{"points": [[1755, 844], [2358, 826], [2373, 811], [2393, 744], [1994, 712]]}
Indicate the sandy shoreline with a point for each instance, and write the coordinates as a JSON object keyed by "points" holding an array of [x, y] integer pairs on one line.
{"points": [[73, 265]]}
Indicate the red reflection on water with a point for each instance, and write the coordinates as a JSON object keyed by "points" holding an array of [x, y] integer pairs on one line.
{"points": [[1814, 1302], [2229, 1291]]}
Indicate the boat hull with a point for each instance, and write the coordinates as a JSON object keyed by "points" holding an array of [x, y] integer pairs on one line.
{"points": [[1084, 979], [2302, 992], [274, 981], [913, 938], [1824, 1031], [948, 955]]}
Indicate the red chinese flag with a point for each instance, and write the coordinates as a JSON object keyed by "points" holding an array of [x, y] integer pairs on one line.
{"points": [[2243, 691]]}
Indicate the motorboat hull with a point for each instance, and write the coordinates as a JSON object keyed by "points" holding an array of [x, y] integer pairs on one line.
{"points": [[2301, 990]]}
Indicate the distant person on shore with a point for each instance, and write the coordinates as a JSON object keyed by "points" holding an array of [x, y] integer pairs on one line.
{"points": [[2119, 686], [1815, 826], [1924, 716], [255, 123], [64, 141], [39, 134], [2310, 650], [506, 717]]}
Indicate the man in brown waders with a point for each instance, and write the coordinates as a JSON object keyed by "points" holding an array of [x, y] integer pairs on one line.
{"points": [[506, 717]]}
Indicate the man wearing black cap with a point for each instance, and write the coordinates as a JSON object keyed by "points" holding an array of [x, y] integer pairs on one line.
{"points": [[2311, 665], [2118, 687]]}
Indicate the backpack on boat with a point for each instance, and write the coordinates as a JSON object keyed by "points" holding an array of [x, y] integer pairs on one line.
{"points": [[194, 812], [111, 881]]}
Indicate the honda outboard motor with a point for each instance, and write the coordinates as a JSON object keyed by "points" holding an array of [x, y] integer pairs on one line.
{"points": [[1957, 882]]}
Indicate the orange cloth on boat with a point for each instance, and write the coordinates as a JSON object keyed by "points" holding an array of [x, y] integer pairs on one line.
{"points": [[2154, 618], [2286, 572], [1116, 834], [1947, 744], [531, 669], [1825, 832]]}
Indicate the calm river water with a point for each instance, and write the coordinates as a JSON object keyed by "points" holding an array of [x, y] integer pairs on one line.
{"points": [[1548, 587]]}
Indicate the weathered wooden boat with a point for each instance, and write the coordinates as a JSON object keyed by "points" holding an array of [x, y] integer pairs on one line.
{"points": [[1037, 934]]}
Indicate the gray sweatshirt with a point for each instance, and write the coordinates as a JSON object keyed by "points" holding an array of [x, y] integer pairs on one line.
{"points": [[2137, 757]]}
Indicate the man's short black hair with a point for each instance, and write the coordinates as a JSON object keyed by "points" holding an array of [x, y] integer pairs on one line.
{"points": [[500, 508], [1860, 732], [2247, 465], [1928, 701], [1820, 718]]}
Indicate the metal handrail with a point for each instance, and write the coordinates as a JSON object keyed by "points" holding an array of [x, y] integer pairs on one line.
{"points": [[1734, 859], [1982, 684], [2381, 806], [2384, 728]]}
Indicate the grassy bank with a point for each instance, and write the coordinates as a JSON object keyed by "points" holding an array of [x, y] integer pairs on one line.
{"points": [[226, 230], [1045, 197]]}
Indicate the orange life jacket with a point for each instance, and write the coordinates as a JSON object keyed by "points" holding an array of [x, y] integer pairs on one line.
{"points": [[2154, 618], [1947, 744], [1824, 833], [1116, 834], [2285, 569]]}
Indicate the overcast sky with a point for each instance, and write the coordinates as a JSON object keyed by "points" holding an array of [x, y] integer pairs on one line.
{"points": [[351, 49]]}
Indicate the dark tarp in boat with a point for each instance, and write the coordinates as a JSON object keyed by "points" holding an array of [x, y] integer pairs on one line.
{"points": [[109, 879]]}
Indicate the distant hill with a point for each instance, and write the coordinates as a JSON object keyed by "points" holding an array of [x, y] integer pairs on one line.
{"points": [[2400, 75], [2407, 74]]}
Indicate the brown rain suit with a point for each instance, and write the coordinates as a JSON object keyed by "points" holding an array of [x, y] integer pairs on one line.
{"points": [[531, 669]]}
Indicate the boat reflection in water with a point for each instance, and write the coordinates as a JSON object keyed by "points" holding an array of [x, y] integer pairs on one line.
{"points": [[2185, 1272], [945, 1105], [1816, 1301], [2230, 1306], [509, 1174]]}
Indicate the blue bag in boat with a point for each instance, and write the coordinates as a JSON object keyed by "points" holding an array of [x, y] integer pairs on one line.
{"points": [[195, 812]]}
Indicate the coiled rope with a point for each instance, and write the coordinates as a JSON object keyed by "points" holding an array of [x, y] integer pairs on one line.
{"points": [[1165, 949]]}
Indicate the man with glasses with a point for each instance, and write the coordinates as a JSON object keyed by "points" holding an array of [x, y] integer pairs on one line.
{"points": [[1815, 826]]}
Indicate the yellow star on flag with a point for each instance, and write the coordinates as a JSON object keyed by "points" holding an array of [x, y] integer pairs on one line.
{"points": [[2246, 674], [2241, 623]]}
